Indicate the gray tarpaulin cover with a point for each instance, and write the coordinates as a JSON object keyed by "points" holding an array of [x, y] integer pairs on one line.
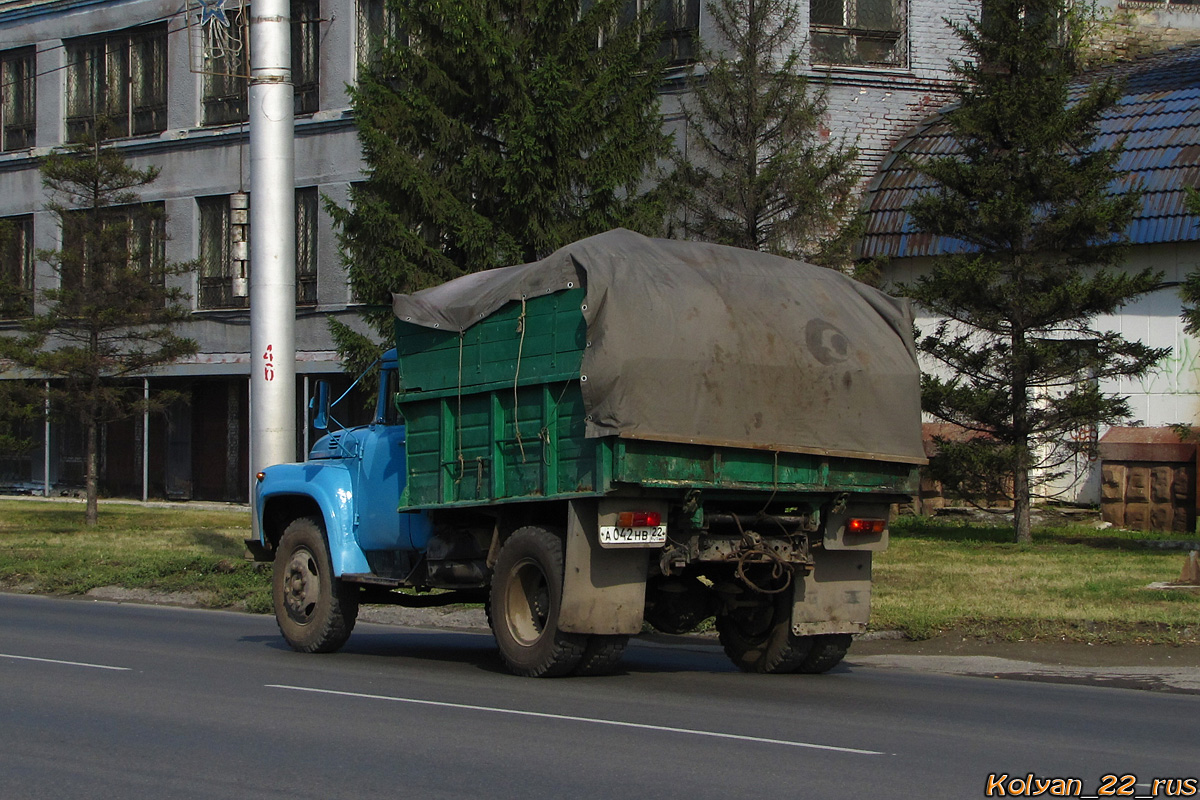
{"points": [[693, 342]]}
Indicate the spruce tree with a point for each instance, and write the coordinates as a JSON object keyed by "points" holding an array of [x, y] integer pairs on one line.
{"points": [[1020, 362], [758, 171], [112, 315], [494, 132]]}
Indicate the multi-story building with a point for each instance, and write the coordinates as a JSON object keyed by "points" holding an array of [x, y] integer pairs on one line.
{"points": [[63, 62]]}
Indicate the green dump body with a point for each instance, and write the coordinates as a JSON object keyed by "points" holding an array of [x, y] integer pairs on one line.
{"points": [[496, 415]]}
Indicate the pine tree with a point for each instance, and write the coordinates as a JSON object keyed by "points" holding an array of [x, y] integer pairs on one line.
{"points": [[494, 132], [1020, 359], [19, 409], [758, 170], [113, 313]]}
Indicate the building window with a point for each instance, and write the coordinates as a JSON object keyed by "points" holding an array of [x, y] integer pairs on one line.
{"points": [[681, 27], [147, 239], [224, 242], [139, 244], [378, 27], [306, 246], [227, 68], [306, 55], [677, 20], [226, 71], [17, 103], [857, 32], [223, 235], [16, 267], [120, 78]]}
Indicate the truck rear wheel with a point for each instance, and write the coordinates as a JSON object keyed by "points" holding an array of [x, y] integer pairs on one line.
{"points": [[601, 654], [828, 650], [315, 611], [526, 597], [760, 639]]}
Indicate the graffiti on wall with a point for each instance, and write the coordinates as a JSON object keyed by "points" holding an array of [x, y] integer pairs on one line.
{"points": [[1175, 374]]}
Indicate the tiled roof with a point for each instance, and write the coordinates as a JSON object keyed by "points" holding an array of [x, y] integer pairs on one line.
{"points": [[1159, 116]]}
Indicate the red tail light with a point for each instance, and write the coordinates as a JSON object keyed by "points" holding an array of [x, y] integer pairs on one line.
{"points": [[639, 519], [866, 526]]}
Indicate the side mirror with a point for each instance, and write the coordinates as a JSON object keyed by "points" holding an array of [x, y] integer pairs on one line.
{"points": [[319, 405]]}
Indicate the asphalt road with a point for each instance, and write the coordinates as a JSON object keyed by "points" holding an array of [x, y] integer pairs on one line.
{"points": [[103, 700]]}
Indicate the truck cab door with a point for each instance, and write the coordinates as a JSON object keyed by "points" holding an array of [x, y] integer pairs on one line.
{"points": [[382, 475]]}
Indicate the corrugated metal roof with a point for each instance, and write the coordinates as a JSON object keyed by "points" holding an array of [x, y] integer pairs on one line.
{"points": [[1158, 117]]}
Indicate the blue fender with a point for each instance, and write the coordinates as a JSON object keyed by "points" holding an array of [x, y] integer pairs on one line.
{"points": [[330, 486]]}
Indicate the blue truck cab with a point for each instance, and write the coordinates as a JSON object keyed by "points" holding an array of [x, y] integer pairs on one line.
{"points": [[344, 468]]}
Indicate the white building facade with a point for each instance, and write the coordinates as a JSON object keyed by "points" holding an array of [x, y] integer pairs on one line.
{"points": [[65, 61]]}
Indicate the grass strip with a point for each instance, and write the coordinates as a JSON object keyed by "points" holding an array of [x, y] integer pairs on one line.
{"points": [[1074, 583], [46, 548]]}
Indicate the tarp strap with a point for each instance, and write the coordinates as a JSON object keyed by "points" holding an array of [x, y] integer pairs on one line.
{"points": [[462, 467], [516, 376]]}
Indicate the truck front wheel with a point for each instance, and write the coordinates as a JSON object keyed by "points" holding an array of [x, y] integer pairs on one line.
{"points": [[315, 611], [526, 597], [760, 639]]}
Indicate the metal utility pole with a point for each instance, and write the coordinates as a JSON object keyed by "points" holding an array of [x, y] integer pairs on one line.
{"points": [[272, 238]]}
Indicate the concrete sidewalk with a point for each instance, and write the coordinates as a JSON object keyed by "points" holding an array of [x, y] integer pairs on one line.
{"points": [[1132, 666]]}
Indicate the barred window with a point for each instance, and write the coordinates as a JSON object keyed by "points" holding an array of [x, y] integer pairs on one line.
{"points": [[858, 32], [147, 240], [16, 267], [378, 27], [17, 87], [129, 237], [215, 287], [681, 27], [678, 23], [226, 73], [306, 54], [306, 246], [226, 83], [223, 241], [120, 78]]}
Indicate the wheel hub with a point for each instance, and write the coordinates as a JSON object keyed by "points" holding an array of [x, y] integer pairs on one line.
{"points": [[302, 586], [528, 606]]}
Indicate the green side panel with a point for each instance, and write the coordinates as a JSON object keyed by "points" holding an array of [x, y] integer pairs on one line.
{"points": [[423, 445], [578, 456], [499, 445], [667, 464], [545, 336]]}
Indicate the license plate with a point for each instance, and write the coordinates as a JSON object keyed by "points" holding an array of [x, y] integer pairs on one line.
{"points": [[614, 536]]}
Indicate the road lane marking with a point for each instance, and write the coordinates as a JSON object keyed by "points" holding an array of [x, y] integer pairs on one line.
{"points": [[67, 663], [590, 720]]}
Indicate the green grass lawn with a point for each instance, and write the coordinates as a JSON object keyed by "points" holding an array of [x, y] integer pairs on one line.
{"points": [[1073, 582], [46, 548]]}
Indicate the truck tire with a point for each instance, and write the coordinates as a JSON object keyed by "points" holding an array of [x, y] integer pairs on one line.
{"points": [[314, 610], [601, 654], [760, 639], [526, 597], [828, 650]]}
